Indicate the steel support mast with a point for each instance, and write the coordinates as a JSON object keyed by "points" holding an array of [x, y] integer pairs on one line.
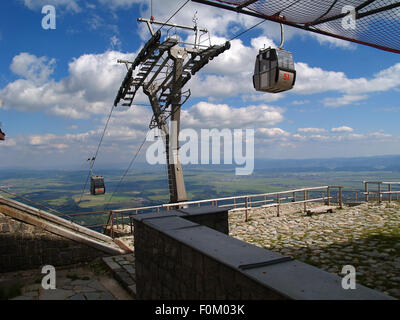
{"points": [[164, 68]]}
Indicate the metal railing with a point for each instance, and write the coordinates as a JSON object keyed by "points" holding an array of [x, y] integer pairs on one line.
{"points": [[246, 203], [120, 219]]}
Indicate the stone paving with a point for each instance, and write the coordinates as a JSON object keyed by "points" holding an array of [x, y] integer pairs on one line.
{"points": [[123, 268], [365, 236], [76, 283]]}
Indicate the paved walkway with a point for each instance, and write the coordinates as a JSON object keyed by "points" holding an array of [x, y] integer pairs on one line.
{"points": [[76, 283], [366, 236]]}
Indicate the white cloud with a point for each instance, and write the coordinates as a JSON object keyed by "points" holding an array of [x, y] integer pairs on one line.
{"points": [[90, 87], [69, 5], [311, 130], [207, 115], [316, 80], [272, 133], [342, 129], [344, 100], [300, 102], [30, 67]]}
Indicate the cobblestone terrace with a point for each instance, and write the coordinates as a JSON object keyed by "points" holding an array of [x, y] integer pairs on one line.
{"points": [[366, 236]]}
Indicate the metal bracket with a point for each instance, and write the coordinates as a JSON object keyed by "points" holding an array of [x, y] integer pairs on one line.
{"points": [[265, 263]]}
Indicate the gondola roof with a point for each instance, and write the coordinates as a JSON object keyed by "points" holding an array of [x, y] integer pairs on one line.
{"points": [[377, 21]]}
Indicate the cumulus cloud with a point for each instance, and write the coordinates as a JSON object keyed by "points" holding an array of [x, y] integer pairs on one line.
{"points": [[342, 129], [316, 80], [344, 100], [30, 67], [89, 88], [208, 115], [69, 5], [272, 133], [311, 130]]}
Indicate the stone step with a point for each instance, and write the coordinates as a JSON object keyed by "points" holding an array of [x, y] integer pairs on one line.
{"points": [[124, 271]]}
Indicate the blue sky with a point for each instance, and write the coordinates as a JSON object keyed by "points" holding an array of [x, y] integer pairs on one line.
{"points": [[57, 86]]}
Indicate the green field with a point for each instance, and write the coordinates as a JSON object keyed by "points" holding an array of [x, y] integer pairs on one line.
{"points": [[61, 190]]}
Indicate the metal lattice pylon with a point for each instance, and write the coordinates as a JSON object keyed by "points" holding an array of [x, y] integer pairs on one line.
{"points": [[164, 68]]}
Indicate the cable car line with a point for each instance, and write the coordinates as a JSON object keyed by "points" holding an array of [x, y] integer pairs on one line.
{"points": [[176, 12], [127, 170], [95, 157], [247, 30]]}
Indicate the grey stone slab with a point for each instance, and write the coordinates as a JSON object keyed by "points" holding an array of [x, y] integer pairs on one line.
{"points": [[92, 295], [297, 280], [108, 259], [132, 289], [78, 296], [152, 215], [88, 289], [80, 282], [31, 294], [169, 223], [106, 296], [96, 285], [130, 269], [22, 298], [221, 247], [202, 211], [57, 294], [113, 265]]}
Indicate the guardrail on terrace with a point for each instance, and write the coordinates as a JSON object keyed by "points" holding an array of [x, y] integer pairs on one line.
{"points": [[379, 194], [326, 194]]}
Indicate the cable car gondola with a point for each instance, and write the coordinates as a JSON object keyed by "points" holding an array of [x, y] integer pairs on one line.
{"points": [[274, 71], [97, 185]]}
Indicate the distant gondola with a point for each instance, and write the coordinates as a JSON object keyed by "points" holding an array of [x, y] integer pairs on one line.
{"points": [[274, 71], [97, 185], [2, 135]]}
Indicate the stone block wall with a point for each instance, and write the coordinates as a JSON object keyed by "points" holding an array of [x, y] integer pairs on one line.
{"points": [[178, 258], [24, 246], [168, 269], [214, 218]]}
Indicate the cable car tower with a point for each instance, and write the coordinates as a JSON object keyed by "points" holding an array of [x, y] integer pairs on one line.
{"points": [[162, 69]]}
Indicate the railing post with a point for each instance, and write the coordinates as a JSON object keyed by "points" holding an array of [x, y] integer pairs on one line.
{"points": [[305, 199], [294, 196], [328, 192], [390, 194], [379, 193], [234, 203], [112, 225], [340, 198], [246, 206], [278, 201], [366, 191]]}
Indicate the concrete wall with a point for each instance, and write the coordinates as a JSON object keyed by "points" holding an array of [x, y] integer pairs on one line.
{"points": [[168, 269], [24, 246], [179, 259]]}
